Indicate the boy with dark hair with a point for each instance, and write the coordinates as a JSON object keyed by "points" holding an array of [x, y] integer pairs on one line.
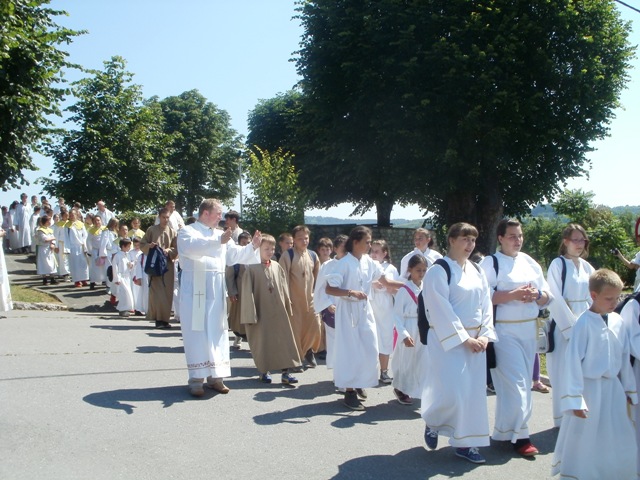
{"points": [[122, 269], [597, 438]]}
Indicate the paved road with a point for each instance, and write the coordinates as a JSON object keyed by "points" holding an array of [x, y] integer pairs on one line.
{"points": [[87, 394]]}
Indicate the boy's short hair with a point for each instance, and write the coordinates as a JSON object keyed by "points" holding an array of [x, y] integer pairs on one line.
{"points": [[284, 236], [340, 240], [324, 242], [135, 239], [604, 278], [245, 235], [266, 238], [124, 241], [300, 228], [232, 214]]}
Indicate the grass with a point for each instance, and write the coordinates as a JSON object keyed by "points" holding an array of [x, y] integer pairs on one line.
{"points": [[543, 364], [26, 294]]}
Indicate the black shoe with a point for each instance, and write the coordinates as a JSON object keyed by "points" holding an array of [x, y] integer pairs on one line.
{"points": [[54, 281], [310, 359], [322, 355], [362, 394], [92, 286], [351, 401], [44, 281], [163, 325]]}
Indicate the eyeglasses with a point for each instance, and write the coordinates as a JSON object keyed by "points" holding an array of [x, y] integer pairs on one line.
{"points": [[579, 240]]}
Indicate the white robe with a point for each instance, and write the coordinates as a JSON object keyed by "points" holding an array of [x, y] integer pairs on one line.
{"points": [[97, 273], [430, 255], [33, 224], [108, 248], [516, 326], [45, 257], [13, 233], [22, 225], [356, 342], [5, 292], [134, 257], [321, 301], [75, 241], [408, 363], [207, 350], [565, 311], [122, 268], [142, 300], [382, 305], [598, 378], [631, 315], [454, 400], [63, 250]]}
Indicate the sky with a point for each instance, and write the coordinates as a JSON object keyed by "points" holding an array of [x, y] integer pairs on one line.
{"points": [[239, 52]]}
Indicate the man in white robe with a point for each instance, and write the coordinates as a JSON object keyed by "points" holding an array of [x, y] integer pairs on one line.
{"points": [[104, 213], [21, 224], [204, 253]]}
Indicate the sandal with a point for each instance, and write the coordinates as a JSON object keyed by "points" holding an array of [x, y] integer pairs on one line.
{"points": [[540, 387]]}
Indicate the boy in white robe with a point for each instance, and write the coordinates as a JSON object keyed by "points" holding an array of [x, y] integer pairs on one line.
{"points": [[134, 257], [597, 439], [141, 280], [122, 268]]}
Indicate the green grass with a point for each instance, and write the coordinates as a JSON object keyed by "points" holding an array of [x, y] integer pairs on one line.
{"points": [[543, 364], [26, 294]]}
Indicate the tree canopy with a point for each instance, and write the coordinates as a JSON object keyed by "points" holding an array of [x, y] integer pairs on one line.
{"points": [[471, 109], [205, 152], [31, 64], [118, 150]]}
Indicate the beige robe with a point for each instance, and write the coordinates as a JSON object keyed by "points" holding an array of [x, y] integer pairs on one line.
{"points": [[234, 288], [161, 292], [266, 312], [301, 273]]}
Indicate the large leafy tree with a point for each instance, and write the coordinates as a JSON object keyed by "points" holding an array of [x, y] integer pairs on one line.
{"points": [[31, 64], [472, 109], [205, 153], [117, 151]]}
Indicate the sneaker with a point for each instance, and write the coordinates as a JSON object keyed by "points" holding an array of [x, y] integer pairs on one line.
{"points": [[288, 379], [237, 343], [384, 377], [430, 438], [351, 401], [527, 450], [362, 393], [472, 454], [310, 359], [402, 397], [163, 325], [265, 378], [491, 388]]}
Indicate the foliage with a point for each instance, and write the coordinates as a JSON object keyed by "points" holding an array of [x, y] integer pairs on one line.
{"points": [[277, 203], [542, 237], [118, 151], [146, 219], [473, 109], [205, 154], [31, 66]]}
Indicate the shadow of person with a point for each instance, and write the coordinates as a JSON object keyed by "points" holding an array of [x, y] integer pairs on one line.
{"points": [[157, 349], [123, 399]]}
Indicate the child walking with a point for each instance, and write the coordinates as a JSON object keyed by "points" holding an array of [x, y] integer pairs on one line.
{"points": [[122, 268], [597, 438]]}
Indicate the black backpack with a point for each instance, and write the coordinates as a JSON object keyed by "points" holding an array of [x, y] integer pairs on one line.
{"points": [[156, 264], [423, 321], [634, 296]]}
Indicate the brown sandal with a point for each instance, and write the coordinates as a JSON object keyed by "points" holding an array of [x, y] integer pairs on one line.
{"points": [[540, 387]]}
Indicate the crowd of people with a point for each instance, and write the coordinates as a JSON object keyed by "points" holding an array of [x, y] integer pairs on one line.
{"points": [[444, 329]]}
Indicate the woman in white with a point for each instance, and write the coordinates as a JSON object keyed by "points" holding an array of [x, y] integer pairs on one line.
{"points": [[407, 362], [97, 273], [75, 240], [356, 345], [519, 291], [423, 243], [61, 248], [45, 257], [108, 248], [5, 292], [572, 298], [122, 268], [454, 402], [382, 305]]}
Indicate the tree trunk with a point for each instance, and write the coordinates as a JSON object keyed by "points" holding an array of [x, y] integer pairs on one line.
{"points": [[490, 210], [383, 211]]}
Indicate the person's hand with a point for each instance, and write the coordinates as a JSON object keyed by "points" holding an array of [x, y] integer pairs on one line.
{"points": [[408, 342], [256, 240], [117, 283], [525, 294], [580, 413], [332, 308], [474, 345], [153, 245], [233, 298], [358, 294], [226, 236], [137, 281], [484, 341]]}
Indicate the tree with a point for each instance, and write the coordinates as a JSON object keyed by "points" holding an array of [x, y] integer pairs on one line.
{"points": [[205, 149], [472, 109], [31, 66], [118, 151], [277, 203]]}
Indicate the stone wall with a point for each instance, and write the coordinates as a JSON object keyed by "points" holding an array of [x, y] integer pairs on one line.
{"points": [[400, 240]]}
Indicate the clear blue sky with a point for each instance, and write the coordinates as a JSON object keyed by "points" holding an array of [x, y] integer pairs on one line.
{"points": [[237, 52]]}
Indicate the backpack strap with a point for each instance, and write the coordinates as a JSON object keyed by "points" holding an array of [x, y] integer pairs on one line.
{"points": [[443, 263], [563, 275]]}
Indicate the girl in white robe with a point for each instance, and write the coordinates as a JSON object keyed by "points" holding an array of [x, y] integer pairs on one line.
{"points": [[519, 291], [6, 303], [122, 268], [142, 282], [454, 402], [597, 439], [62, 249], [108, 248], [45, 256], [423, 243], [134, 257], [572, 298], [408, 363], [382, 305], [356, 345], [75, 240], [97, 273]]}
